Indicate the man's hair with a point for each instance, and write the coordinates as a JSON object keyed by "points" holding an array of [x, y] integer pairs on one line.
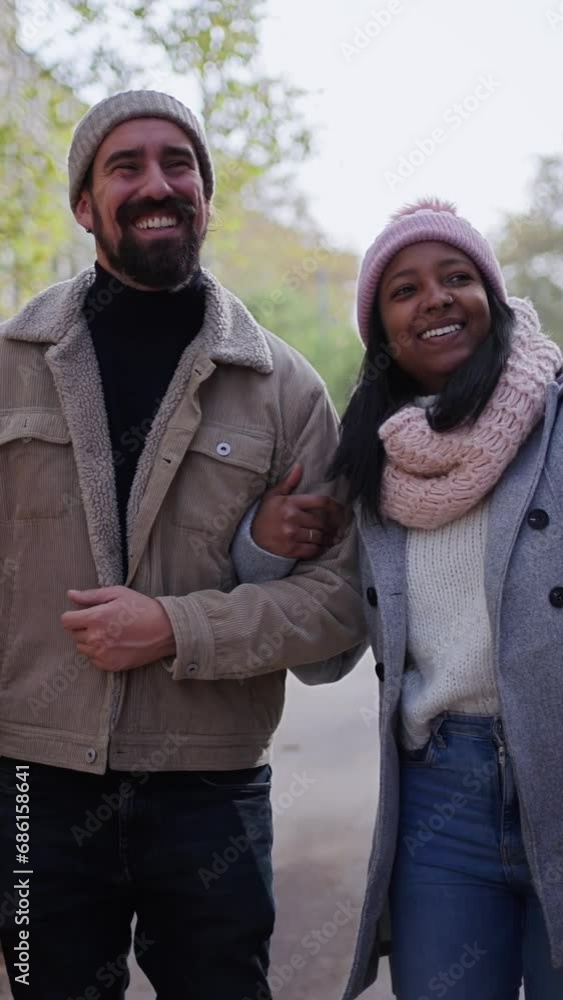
{"points": [[384, 387]]}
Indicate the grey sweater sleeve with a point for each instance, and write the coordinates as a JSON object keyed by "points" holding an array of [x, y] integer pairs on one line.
{"points": [[252, 563]]}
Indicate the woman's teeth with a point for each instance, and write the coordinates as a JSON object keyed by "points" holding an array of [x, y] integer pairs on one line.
{"points": [[441, 331]]}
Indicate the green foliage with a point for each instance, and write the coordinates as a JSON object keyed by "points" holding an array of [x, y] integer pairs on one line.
{"points": [[302, 289], [34, 136], [530, 246]]}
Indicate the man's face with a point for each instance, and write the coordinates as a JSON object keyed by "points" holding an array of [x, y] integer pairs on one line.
{"points": [[146, 205]]}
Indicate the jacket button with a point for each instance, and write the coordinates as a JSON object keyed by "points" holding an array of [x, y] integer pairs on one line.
{"points": [[538, 519], [91, 755], [556, 597], [371, 594], [380, 671], [192, 668]]}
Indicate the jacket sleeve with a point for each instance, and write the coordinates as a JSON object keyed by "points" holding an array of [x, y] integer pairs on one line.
{"points": [[310, 616], [254, 564]]}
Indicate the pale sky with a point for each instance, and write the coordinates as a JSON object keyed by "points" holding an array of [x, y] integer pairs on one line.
{"points": [[384, 79], [372, 104]]}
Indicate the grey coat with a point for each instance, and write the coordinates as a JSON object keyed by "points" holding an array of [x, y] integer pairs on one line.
{"points": [[524, 588]]}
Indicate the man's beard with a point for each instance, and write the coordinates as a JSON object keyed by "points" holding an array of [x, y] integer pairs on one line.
{"points": [[161, 264]]}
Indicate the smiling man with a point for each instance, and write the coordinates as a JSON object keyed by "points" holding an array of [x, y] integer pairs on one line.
{"points": [[143, 412]]}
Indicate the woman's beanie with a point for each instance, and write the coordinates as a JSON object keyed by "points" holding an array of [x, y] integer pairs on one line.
{"points": [[428, 219], [99, 121]]}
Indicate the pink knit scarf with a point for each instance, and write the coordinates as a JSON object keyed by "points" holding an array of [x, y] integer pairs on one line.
{"points": [[432, 478]]}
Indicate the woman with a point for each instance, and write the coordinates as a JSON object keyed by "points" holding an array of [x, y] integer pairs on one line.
{"points": [[452, 446]]}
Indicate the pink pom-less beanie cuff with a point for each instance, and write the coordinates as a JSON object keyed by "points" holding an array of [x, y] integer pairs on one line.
{"points": [[426, 220]]}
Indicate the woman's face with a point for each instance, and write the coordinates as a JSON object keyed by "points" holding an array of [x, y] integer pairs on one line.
{"points": [[434, 309]]}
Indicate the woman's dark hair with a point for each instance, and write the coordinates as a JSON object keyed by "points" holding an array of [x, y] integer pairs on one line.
{"points": [[383, 388]]}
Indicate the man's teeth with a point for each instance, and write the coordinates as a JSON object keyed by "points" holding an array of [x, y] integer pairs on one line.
{"points": [[441, 331], [157, 222]]}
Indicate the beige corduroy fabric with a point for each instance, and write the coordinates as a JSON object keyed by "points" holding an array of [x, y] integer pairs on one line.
{"points": [[99, 121], [241, 407]]}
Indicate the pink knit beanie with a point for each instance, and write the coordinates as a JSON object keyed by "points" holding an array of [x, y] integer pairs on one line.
{"points": [[428, 219]]}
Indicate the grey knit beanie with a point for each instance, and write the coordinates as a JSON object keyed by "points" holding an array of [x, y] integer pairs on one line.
{"points": [[99, 121]]}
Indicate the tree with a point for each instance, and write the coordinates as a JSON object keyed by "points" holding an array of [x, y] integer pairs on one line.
{"points": [[261, 231], [530, 245], [253, 122], [35, 114]]}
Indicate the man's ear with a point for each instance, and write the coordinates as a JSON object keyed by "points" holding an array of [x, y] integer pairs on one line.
{"points": [[83, 211]]}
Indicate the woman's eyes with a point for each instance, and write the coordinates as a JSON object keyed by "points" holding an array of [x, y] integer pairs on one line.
{"points": [[456, 279], [400, 292]]}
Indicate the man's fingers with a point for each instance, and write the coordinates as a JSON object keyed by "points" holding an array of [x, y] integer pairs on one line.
{"points": [[77, 620], [102, 595]]}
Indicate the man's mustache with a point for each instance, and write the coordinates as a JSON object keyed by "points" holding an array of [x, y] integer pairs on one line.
{"points": [[169, 206]]}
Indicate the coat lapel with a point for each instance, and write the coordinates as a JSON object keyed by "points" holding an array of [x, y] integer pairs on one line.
{"points": [[74, 368], [509, 502]]}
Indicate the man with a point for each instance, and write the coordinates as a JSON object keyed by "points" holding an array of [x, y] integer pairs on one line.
{"points": [[143, 411]]}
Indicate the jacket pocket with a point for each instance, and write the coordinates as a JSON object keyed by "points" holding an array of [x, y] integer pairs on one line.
{"points": [[225, 470], [37, 470]]}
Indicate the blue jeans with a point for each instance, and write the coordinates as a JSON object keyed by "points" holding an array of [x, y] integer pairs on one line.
{"points": [[466, 921], [188, 852]]}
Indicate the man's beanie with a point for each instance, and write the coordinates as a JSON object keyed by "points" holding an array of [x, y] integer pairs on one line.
{"points": [[429, 219], [99, 121]]}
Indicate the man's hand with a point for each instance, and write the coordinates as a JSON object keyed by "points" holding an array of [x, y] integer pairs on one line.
{"points": [[119, 629], [300, 526]]}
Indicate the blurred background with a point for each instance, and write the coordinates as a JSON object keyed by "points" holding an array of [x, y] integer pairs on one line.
{"points": [[323, 118]]}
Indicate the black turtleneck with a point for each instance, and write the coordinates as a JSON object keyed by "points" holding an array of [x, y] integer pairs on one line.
{"points": [[139, 338]]}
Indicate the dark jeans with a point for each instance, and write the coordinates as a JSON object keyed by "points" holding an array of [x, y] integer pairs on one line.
{"points": [[466, 921], [188, 852]]}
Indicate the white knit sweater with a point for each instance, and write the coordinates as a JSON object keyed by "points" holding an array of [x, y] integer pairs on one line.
{"points": [[449, 639]]}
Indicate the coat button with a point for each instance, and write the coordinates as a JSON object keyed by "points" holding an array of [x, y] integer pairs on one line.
{"points": [[91, 755], [380, 671], [538, 519], [556, 597], [371, 594], [192, 668], [223, 449]]}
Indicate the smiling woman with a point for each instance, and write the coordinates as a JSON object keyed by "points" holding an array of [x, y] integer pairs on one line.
{"points": [[434, 316], [435, 311], [454, 493]]}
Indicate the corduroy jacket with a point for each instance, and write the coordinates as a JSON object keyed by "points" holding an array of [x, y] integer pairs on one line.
{"points": [[240, 407]]}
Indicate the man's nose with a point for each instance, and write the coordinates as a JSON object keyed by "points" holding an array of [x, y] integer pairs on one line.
{"points": [[155, 184]]}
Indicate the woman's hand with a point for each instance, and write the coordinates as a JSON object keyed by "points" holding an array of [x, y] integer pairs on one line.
{"points": [[299, 526]]}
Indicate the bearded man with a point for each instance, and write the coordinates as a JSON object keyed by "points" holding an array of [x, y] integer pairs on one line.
{"points": [[143, 412]]}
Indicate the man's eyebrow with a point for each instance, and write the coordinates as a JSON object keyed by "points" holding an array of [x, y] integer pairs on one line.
{"points": [[137, 153], [179, 151], [123, 154]]}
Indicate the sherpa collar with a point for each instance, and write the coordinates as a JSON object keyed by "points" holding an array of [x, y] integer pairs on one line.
{"points": [[229, 335]]}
